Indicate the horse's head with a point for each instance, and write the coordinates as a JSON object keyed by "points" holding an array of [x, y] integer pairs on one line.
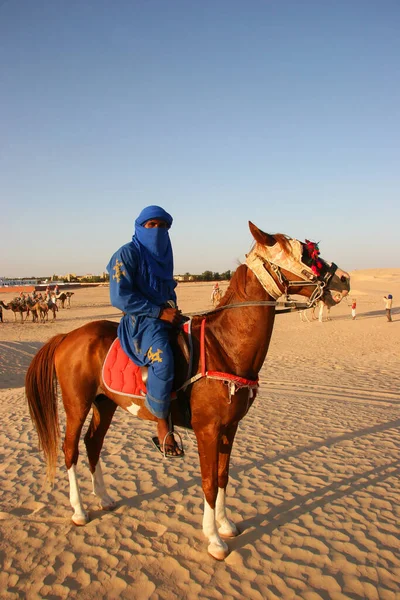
{"points": [[284, 265]]}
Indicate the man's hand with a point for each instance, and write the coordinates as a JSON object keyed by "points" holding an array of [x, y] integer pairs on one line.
{"points": [[171, 315]]}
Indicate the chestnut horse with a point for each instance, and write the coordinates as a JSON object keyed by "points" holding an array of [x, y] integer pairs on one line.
{"points": [[235, 347]]}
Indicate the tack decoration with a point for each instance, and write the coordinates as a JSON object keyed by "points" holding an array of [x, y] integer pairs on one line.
{"points": [[313, 252]]}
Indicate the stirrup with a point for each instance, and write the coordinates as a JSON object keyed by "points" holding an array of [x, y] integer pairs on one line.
{"points": [[180, 447], [161, 447]]}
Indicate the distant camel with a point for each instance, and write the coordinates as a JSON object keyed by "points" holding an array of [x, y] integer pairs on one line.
{"points": [[65, 296], [33, 306], [320, 305], [38, 309], [52, 305], [16, 307]]}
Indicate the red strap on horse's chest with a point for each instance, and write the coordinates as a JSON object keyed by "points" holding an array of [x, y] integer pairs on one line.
{"points": [[238, 381]]}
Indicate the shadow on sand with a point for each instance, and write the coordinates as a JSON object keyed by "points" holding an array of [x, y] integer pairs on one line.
{"points": [[15, 358]]}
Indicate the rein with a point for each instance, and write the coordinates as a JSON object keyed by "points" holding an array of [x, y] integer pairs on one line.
{"points": [[289, 306]]}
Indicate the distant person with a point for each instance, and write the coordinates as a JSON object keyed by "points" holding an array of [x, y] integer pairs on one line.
{"points": [[215, 294], [388, 305], [56, 290], [353, 309]]}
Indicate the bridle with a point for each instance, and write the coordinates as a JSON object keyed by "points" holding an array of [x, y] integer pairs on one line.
{"points": [[319, 282], [268, 269], [269, 263], [272, 278]]}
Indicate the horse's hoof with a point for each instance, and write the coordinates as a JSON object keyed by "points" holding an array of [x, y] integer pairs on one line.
{"points": [[218, 552], [80, 520], [229, 533]]}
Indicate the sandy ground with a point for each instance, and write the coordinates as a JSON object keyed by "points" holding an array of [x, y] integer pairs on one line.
{"points": [[314, 484]]}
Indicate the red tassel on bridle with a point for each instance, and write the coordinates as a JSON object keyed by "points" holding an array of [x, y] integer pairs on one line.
{"points": [[313, 252]]}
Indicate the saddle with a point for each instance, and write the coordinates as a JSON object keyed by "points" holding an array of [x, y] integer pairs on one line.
{"points": [[122, 376]]}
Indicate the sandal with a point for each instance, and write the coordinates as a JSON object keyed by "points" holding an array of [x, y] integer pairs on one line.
{"points": [[168, 450]]}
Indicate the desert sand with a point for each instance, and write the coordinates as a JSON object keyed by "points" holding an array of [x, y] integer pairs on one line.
{"points": [[314, 483]]}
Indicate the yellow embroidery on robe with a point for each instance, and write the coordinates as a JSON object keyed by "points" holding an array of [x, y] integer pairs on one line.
{"points": [[154, 356], [119, 273]]}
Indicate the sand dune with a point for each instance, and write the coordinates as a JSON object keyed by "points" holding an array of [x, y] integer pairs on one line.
{"points": [[314, 485]]}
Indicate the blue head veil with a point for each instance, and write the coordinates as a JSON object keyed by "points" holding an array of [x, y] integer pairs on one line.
{"points": [[154, 243]]}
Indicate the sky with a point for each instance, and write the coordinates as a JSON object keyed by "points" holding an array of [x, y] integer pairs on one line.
{"points": [[283, 113]]}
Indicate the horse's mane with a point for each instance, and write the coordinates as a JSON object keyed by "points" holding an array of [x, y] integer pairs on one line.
{"points": [[237, 285]]}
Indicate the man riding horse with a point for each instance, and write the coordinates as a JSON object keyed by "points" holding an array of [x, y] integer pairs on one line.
{"points": [[142, 286]]}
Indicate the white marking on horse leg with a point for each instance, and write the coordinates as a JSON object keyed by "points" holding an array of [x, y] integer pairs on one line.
{"points": [[226, 527], [80, 516], [133, 408], [216, 547], [99, 489]]}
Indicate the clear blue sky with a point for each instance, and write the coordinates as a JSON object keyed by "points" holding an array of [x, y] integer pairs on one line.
{"points": [[285, 113]]}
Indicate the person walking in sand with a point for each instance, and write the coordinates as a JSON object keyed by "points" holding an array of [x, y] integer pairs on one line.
{"points": [[388, 305], [353, 309]]}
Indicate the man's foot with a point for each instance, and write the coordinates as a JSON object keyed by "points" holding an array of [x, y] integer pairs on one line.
{"points": [[171, 450], [166, 441]]}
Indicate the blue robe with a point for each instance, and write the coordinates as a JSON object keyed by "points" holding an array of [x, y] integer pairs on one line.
{"points": [[141, 284]]}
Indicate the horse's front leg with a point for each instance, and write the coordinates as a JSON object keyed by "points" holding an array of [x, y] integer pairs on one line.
{"points": [[208, 447], [226, 527]]}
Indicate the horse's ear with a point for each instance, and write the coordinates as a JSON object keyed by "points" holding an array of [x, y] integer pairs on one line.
{"points": [[260, 236]]}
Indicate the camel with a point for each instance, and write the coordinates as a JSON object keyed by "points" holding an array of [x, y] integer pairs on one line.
{"points": [[16, 307], [33, 308], [320, 306], [52, 305], [65, 297], [38, 309]]}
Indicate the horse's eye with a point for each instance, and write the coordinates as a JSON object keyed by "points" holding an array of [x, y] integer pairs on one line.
{"points": [[343, 279]]}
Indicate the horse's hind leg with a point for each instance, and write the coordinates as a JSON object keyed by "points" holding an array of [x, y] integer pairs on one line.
{"points": [[76, 416], [103, 412]]}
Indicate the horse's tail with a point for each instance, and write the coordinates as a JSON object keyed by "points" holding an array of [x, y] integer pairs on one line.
{"points": [[41, 393]]}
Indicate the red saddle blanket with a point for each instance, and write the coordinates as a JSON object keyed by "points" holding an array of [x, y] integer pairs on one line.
{"points": [[120, 374]]}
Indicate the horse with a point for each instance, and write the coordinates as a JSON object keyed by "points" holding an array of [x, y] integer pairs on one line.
{"points": [[230, 344]]}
